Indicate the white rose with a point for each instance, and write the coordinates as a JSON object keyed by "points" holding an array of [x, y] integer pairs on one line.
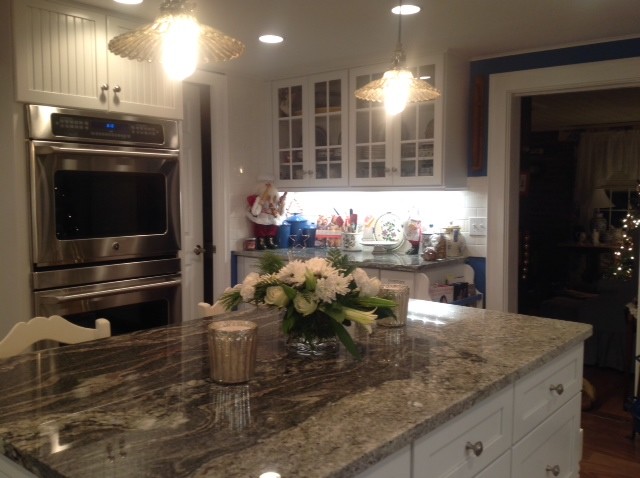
{"points": [[304, 305], [276, 296]]}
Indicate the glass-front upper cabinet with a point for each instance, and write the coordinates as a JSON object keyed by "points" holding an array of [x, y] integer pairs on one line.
{"points": [[408, 149], [311, 125]]}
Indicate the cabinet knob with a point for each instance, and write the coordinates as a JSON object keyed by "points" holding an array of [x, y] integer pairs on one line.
{"points": [[104, 87], [117, 89], [559, 389], [476, 447], [387, 170], [555, 469], [394, 170], [309, 172]]}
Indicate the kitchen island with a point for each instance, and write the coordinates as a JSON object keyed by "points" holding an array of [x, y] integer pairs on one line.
{"points": [[142, 405]]}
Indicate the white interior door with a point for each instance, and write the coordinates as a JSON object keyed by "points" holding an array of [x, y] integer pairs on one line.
{"points": [[191, 187]]}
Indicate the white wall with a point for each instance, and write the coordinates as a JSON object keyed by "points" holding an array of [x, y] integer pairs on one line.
{"points": [[15, 289]]}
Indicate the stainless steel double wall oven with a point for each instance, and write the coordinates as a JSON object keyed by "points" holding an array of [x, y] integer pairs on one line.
{"points": [[105, 206]]}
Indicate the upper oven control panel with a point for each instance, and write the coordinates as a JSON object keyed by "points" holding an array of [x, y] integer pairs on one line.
{"points": [[64, 124]]}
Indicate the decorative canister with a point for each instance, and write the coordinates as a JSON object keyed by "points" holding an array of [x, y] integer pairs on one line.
{"points": [[298, 223], [455, 243], [284, 230]]}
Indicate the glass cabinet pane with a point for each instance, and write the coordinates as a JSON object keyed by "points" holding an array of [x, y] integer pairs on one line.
{"points": [[290, 132], [328, 129], [417, 132], [370, 134]]}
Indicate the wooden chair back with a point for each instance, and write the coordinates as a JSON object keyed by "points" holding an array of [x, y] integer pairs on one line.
{"points": [[25, 334]]}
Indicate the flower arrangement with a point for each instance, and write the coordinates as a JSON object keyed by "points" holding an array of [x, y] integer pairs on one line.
{"points": [[320, 296]]}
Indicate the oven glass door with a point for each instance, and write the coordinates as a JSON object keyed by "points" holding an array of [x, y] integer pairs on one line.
{"points": [[130, 305], [97, 204]]}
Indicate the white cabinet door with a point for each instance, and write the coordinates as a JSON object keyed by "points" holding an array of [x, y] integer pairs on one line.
{"points": [[310, 128], [60, 54], [424, 146], [62, 59], [10, 469], [137, 86]]}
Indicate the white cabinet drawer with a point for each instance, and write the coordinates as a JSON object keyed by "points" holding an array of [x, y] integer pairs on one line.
{"points": [[397, 465], [501, 468], [444, 452], [537, 395], [552, 447]]}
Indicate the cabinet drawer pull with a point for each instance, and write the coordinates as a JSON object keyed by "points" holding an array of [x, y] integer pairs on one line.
{"points": [[476, 447], [559, 389], [117, 89], [104, 87], [555, 469]]}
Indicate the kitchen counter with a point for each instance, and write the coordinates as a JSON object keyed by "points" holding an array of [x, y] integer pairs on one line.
{"points": [[142, 405], [388, 261]]}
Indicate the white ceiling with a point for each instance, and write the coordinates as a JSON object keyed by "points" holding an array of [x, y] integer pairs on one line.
{"points": [[321, 35]]}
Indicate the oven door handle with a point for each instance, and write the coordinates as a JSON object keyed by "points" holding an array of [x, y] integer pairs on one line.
{"points": [[48, 149], [58, 299]]}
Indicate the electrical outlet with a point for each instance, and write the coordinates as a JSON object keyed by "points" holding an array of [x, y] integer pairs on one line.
{"points": [[478, 226]]}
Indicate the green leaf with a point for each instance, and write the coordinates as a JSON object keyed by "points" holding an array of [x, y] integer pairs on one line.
{"points": [[346, 339], [375, 302], [270, 263]]}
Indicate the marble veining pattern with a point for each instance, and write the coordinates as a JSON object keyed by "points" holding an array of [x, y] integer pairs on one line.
{"points": [[141, 405]]}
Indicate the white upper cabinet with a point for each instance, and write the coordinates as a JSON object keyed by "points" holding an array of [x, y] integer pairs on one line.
{"points": [[310, 127], [425, 145], [62, 59]]}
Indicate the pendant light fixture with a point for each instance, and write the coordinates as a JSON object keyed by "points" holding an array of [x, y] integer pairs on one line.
{"points": [[177, 40], [397, 87]]}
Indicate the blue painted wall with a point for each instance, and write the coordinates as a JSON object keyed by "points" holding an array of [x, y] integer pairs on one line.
{"points": [[481, 70]]}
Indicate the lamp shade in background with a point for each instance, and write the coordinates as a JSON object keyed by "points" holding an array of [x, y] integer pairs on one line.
{"points": [[177, 40], [600, 200]]}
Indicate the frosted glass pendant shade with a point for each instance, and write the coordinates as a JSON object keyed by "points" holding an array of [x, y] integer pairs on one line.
{"points": [[177, 40], [180, 48], [395, 89]]}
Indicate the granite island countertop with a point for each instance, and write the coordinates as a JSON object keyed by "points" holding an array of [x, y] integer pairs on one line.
{"points": [[141, 405], [390, 260]]}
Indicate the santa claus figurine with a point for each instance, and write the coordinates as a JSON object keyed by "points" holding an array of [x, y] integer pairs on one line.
{"points": [[266, 209]]}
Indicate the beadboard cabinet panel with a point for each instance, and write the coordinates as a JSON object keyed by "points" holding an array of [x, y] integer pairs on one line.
{"points": [[62, 59]]}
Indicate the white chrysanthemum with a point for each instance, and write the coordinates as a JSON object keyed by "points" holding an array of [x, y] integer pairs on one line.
{"points": [[293, 273], [248, 288], [330, 286], [369, 286], [319, 266]]}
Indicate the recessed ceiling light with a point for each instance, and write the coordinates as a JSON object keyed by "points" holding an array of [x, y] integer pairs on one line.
{"points": [[128, 2], [270, 38], [405, 9]]}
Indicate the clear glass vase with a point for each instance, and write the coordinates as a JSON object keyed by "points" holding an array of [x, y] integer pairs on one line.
{"points": [[312, 346]]}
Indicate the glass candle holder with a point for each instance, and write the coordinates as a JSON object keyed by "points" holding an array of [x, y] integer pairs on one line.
{"points": [[399, 293], [232, 350]]}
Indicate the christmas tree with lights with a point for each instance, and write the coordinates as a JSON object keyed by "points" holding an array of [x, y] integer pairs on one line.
{"points": [[624, 256]]}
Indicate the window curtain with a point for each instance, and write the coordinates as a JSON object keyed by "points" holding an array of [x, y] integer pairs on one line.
{"points": [[609, 159]]}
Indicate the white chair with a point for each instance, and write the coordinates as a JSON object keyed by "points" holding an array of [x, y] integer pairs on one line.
{"points": [[207, 310], [24, 334]]}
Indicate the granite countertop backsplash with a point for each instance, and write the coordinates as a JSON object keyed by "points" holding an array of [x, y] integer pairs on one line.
{"points": [[390, 260], [141, 405]]}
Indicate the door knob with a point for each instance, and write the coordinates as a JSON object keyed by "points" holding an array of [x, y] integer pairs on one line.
{"points": [[199, 250]]}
